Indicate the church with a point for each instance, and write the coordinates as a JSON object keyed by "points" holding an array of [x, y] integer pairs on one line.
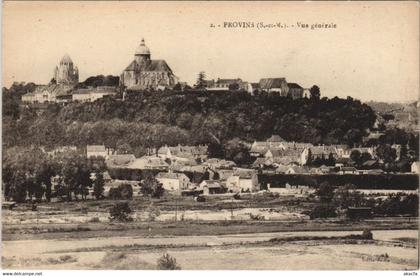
{"points": [[66, 73], [143, 73]]}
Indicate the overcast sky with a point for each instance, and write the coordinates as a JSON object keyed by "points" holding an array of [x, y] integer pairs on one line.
{"points": [[373, 54]]}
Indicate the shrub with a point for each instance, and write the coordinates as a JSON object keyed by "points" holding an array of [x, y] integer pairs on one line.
{"points": [[167, 262], [367, 234], [120, 212], [123, 191], [153, 212], [323, 211], [94, 219]]}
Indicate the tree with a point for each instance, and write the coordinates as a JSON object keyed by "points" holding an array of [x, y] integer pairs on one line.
{"points": [[315, 92], [325, 192], [386, 153], [215, 150], [237, 151], [76, 174], [98, 185], [167, 262], [151, 187], [355, 156], [201, 80], [120, 212], [233, 86], [177, 87], [347, 196]]}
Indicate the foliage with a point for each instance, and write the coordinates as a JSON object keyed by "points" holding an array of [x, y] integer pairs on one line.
{"points": [[120, 211], [153, 212], [151, 187], [323, 211], [325, 192], [167, 262], [398, 205], [123, 191], [237, 151], [201, 80], [347, 196], [188, 117], [98, 186], [315, 92], [101, 80]]}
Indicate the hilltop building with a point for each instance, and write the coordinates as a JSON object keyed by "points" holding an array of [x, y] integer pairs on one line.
{"points": [[143, 73], [66, 72]]}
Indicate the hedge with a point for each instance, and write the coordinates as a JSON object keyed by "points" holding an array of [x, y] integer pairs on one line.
{"points": [[383, 181]]}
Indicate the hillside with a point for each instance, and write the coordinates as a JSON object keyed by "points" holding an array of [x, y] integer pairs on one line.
{"points": [[158, 118]]}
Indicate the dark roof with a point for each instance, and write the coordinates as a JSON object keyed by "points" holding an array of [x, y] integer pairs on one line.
{"points": [[271, 83], [275, 138], [293, 85], [228, 81], [152, 65]]}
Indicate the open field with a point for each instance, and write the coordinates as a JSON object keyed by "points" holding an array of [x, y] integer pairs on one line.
{"points": [[79, 235], [389, 250]]}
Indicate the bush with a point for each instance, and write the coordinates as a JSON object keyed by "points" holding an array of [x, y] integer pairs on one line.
{"points": [[95, 220], [123, 191], [167, 262], [153, 212], [323, 211], [367, 234], [120, 212]]}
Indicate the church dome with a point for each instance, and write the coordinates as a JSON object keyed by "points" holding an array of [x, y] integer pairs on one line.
{"points": [[142, 49], [66, 59]]}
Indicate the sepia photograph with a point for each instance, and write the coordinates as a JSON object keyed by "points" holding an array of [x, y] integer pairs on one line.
{"points": [[269, 136]]}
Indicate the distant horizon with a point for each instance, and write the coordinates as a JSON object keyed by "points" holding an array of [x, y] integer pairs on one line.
{"points": [[366, 58]]}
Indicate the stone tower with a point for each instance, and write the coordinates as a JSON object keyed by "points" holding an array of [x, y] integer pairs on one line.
{"points": [[66, 72]]}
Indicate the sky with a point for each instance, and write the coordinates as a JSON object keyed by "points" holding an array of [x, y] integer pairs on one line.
{"points": [[372, 54]]}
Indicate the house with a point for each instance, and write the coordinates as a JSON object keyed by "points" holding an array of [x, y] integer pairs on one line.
{"points": [[224, 174], [216, 163], [370, 164], [295, 91], [260, 162], [275, 139], [226, 84], [96, 150], [149, 163], [285, 157], [282, 169], [212, 187], [323, 152], [297, 170], [274, 85], [347, 170], [415, 167], [323, 170], [92, 94], [62, 149], [252, 87], [47, 93], [191, 153], [120, 160], [344, 162], [243, 180], [173, 182]]}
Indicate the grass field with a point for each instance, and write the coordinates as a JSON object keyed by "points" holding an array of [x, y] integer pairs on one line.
{"points": [[78, 235]]}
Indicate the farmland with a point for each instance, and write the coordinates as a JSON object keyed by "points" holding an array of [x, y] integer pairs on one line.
{"points": [[221, 233]]}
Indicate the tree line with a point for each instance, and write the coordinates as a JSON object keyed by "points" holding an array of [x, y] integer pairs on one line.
{"points": [[189, 117]]}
